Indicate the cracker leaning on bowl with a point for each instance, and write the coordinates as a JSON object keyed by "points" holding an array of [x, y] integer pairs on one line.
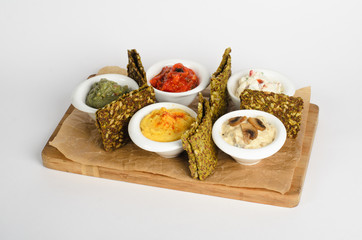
{"points": [[186, 135], [288, 109], [203, 145], [112, 120], [198, 143]]}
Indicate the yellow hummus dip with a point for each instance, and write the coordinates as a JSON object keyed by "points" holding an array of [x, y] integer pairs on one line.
{"points": [[166, 125]]}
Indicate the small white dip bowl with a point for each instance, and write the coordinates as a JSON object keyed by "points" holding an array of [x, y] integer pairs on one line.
{"points": [[273, 76], [184, 98], [81, 92], [249, 156], [164, 149]]}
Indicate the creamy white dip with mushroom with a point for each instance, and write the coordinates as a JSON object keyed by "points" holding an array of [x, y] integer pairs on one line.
{"points": [[245, 133], [257, 81]]}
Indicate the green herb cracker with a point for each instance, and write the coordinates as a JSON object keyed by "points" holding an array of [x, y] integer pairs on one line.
{"points": [[112, 120], [218, 92], [288, 109], [135, 68], [199, 144], [186, 135]]}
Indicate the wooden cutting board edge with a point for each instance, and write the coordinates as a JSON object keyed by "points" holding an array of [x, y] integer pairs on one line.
{"points": [[53, 159]]}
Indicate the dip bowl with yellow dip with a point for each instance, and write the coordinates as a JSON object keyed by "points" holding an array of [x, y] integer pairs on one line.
{"points": [[158, 127], [249, 136]]}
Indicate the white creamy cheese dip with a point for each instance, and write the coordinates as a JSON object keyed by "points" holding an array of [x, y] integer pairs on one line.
{"points": [[257, 81], [233, 135]]}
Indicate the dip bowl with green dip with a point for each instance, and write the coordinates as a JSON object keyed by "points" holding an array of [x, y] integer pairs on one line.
{"points": [[96, 92], [104, 92]]}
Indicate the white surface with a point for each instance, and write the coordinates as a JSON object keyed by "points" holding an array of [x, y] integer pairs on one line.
{"points": [[164, 149], [48, 47], [184, 98], [249, 156]]}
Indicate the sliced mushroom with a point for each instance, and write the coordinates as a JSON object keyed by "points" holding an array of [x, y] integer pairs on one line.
{"points": [[236, 121], [249, 132], [257, 123]]}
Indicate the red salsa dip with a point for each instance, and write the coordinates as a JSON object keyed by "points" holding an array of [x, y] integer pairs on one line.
{"points": [[177, 78]]}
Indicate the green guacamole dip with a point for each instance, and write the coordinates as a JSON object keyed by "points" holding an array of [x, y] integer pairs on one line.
{"points": [[104, 92]]}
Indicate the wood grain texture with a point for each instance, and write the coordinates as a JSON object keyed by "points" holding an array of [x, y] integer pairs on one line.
{"points": [[54, 159]]}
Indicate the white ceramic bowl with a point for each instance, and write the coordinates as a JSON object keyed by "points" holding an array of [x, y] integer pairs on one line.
{"points": [[249, 156], [274, 76], [81, 92], [164, 149], [184, 98]]}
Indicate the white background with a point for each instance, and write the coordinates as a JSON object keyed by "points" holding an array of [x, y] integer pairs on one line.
{"points": [[48, 47]]}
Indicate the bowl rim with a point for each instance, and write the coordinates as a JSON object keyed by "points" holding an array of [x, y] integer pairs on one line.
{"points": [[252, 154], [284, 80], [141, 141], [199, 70], [80, 93]]}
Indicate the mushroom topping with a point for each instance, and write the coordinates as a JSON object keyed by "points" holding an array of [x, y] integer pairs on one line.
{"points": [[257, 123], [249, 132], [236, 120]]}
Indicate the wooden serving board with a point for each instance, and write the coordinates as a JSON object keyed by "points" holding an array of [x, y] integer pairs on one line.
{"points": [[54, 159]]}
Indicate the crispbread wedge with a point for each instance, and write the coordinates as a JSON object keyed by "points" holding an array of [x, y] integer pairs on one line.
{"points": [[203, 145], [112, 120], [186, 136], [224, 63], [288, 109], [135, 68], [218, 93], [198, 143]]}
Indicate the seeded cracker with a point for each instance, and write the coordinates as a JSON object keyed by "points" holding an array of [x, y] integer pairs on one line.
{"points": [[203, 146], [199, 145], [135, 68], [186, 135], [287, 109], [112, 120], [218, 92]]}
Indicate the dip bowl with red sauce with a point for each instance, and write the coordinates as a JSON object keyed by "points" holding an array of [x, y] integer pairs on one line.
{"points": [[177, 80]]}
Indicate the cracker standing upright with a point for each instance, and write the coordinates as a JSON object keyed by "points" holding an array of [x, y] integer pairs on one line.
{"points": [[187, 134], [198, 143], [218, 91], [135, 69], [203, 145]]}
